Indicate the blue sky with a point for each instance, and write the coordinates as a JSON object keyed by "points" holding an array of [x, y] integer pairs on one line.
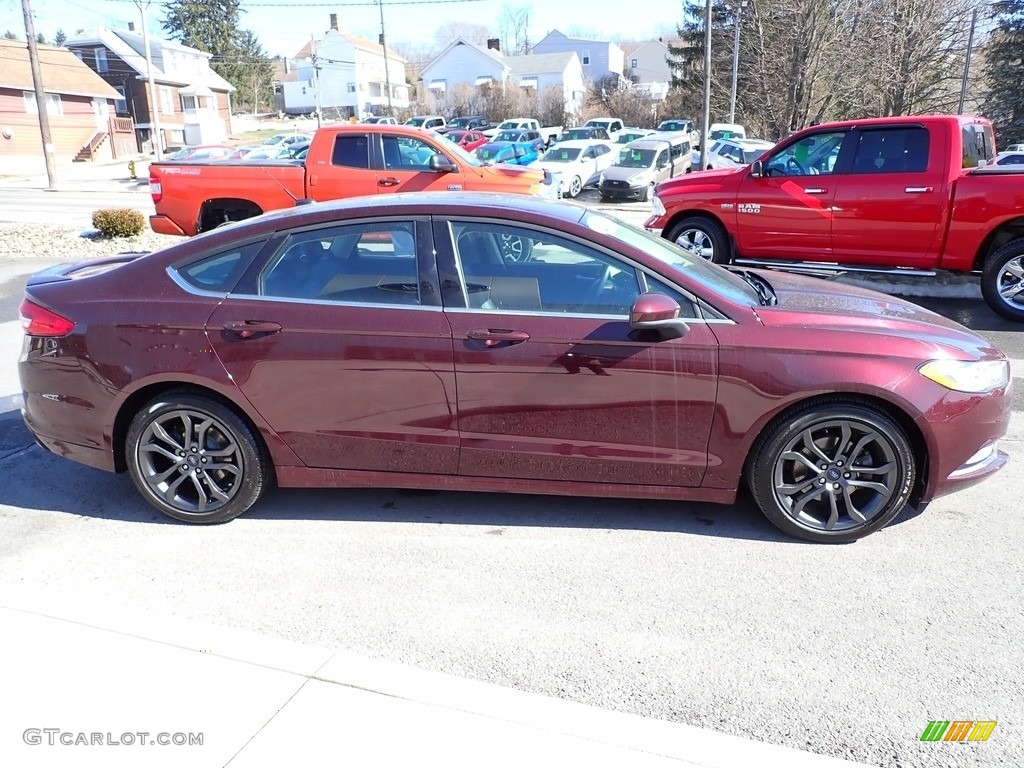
{"points": [[284, 26]]}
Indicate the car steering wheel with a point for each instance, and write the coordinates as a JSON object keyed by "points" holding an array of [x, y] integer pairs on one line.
{"points": [[601, 284], [793, 165]]}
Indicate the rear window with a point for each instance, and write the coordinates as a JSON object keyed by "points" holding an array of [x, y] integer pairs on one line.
{"points": [[351, 151], [892, 150], [979, 146]]}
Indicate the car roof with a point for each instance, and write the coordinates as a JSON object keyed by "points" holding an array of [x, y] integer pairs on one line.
{"points": [[580, 143], [646, 143]]}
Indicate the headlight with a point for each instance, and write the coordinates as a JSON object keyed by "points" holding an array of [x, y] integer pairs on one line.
{"points": [[657, 207], [974, 376]]}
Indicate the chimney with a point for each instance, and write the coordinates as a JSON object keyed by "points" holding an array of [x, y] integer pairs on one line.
{"points": [[494, 44], [334, 22], [131, 26]]}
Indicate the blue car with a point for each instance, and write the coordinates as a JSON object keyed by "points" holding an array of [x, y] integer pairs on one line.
{"points": [[509, 152]]}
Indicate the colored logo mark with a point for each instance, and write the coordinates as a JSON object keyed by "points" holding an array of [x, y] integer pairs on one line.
{"points": [[958, 730]]}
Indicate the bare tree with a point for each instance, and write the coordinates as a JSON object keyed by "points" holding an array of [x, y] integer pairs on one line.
{"points": [[513, 27], [447, 34]]}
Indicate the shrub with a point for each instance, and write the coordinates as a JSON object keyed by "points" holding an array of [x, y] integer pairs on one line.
{"points": [[119, 222]]}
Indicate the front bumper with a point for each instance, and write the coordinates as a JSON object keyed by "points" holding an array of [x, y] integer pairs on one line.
{"points": [[623, 192]]}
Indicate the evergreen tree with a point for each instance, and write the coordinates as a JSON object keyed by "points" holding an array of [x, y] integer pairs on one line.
{"points": [[60, 37], [213, 26], [1004, 92], [40, 38], [8, 35], [686, 60]]}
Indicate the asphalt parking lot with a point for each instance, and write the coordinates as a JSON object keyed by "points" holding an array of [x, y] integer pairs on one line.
{"points": [[687, 612]]}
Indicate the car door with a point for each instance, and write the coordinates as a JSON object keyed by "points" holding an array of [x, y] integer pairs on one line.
{"points": [[405, 166], [552, 382], [888, 208], [339, 341], [786, 213], [346, 173]]}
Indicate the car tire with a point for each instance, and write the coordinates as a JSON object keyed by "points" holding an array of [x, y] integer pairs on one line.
{"points": [[170, 448], [575, 187], [1002, 281], [833, 472], [648, 193], [703, 237]]}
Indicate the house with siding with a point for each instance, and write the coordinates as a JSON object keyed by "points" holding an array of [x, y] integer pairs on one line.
{"points": [[79, 104], [192, 102], [464, 64], [647, 67], [599, 58], [353, 75]]}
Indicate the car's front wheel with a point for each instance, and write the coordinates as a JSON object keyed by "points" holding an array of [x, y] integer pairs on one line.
{"points": [[1002, 280], [832, 473], [195, 459], [703, 237], [575, 186]]}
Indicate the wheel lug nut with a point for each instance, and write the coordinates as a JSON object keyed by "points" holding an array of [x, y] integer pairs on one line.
{"points": [[835, 486], [839, 463], [822, 481], [847, 475], [824, 466], [204, 461], [181, 453], [194, 449]]}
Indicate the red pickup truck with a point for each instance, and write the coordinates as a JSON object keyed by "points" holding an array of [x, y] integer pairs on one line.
{"points": [[899, 195], [343, 161]]}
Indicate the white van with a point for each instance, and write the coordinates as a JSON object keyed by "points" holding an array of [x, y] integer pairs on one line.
{"points": [[726, 131], [643, 163]]}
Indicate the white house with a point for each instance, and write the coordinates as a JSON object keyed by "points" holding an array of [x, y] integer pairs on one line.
{"points": [[353, 77], [463, 63], [541, 71], [648, 68], [599, 58]]}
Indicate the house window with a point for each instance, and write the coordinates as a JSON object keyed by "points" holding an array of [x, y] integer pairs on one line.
{"points": [[166, 100], [586, 58], [528, 82], [53, 103], [188, 102], [120, 105], [351, 87], [438, 85], [101, 59], [632, 63]]}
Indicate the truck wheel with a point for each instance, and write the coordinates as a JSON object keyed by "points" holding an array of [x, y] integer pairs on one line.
{"points": [[702, 237], [1002, 281]]}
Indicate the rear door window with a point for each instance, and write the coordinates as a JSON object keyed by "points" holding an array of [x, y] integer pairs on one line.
{"points": [[891, 150], [351, 151]]}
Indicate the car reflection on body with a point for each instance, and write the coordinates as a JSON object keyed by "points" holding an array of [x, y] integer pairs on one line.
{"points": [[497, 343]]}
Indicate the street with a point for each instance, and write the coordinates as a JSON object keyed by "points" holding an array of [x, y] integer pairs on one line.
{"points": [[688, 612]]}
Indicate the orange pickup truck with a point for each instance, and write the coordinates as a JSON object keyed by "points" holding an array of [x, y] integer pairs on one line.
{"points": [[342, 161]]}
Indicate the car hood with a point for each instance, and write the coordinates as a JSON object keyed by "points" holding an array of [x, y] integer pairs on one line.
{"points": [[827, 304], [713, 179], [507, 169]]}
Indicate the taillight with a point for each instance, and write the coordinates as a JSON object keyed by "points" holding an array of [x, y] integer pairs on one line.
{"points": [[155, 188], [38, 321]]}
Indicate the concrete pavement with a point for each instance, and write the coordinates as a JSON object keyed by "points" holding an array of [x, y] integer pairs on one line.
{"points": [[97, 176], [107, 685]]}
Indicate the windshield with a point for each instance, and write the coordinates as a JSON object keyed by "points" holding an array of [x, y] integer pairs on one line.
{"points": [[416, 121], [636, 158], [750, 155], [576, 133], [597, 123], [715, 278], [625, 138], [508, 136], [672, 125], [489, 152], [509, 124], [558, 155], [460, 122]]}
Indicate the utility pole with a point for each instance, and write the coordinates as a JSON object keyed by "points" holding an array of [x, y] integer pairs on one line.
{"points": [[740, 5], [41, 105], [384, 45], [707, 87], [316, 83], [967, 63], [154, 109]]}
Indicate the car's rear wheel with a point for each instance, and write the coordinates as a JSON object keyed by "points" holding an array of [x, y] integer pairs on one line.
{"points": [[1002, 280], [832, 473], [703, 237], [195, 459]]}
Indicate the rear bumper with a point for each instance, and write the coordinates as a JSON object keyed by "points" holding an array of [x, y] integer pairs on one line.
{"points": [[164, 226]]}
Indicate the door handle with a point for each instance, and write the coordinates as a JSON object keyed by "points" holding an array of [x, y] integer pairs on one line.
{"points": [[246, 329], [918, 189], [815, 190], [492, 337], [390, 181]]}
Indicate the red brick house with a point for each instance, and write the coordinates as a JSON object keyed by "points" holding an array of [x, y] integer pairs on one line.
{"points": [[80, 106], [193, 102]]}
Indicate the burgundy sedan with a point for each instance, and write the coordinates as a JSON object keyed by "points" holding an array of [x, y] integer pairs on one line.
{"points": [[495, 343]]}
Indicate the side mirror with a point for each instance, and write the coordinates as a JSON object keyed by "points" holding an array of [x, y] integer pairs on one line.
{"points": [[657, 312], [757, 169], [442, 164]]}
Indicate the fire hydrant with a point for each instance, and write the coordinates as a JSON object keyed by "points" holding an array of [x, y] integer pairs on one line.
{"points": [[131, 170]]}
